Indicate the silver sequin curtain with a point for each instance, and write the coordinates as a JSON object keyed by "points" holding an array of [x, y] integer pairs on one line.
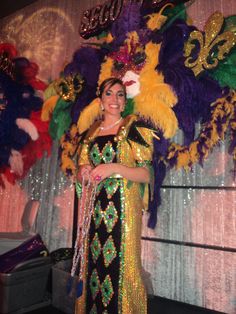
{"points": [[191, 255]]}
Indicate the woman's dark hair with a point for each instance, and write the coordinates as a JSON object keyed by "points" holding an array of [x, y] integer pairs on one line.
{"points": [[110, 82]]}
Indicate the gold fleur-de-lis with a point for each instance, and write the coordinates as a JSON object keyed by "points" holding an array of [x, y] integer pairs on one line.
{"points": [[69, 87], [212, 45]]}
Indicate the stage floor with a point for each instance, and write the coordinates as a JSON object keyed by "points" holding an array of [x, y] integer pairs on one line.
{"points": [[156, 305]]}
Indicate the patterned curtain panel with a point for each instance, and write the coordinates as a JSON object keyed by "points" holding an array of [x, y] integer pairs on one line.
{"points": [[191, 255]]}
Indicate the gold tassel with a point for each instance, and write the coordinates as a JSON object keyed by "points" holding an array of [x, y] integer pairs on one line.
{"points": [[89, 115]]}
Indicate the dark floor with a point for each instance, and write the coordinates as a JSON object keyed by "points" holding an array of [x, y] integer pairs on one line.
{"points": [[156, 305]]}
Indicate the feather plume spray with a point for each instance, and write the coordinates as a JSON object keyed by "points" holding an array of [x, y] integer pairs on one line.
{"points": [[194, 95], [27, 126], [156, 99], [223, 112], [86, 61], [128, 21]]}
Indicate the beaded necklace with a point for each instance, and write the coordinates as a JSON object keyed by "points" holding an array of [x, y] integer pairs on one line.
{"points": [[105, 128], [88, 194]]}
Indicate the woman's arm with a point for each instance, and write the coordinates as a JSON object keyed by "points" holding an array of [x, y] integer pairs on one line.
{"points": [[136, 174]]}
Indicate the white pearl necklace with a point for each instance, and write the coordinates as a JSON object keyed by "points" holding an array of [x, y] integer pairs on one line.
{"points": [[105, 128]]}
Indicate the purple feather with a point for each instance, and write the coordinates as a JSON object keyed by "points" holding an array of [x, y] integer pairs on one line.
{"points": [[160, 149], [128, 21], [86, 61], [195, 95]]}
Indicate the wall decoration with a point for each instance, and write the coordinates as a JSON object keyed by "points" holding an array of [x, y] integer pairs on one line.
{"points": [[23, 136], [168, 89]]}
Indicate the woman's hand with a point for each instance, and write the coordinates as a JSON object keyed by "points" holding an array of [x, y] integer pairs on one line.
{"points": [[102, 172], [135, 174]]}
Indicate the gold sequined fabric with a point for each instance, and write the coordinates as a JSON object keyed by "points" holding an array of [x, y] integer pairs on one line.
{"points": [[131, 292]]}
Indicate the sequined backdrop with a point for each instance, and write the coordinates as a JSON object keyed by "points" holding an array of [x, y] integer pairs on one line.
{"points": [[191, 255]]}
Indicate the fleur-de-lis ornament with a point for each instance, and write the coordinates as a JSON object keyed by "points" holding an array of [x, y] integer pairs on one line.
{"points": [[211, 45], [69, 87]]}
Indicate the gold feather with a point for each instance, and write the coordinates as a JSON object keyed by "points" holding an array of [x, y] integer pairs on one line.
{"points": [[48, 107], [106, 70], [156, 98], [156, 20]]}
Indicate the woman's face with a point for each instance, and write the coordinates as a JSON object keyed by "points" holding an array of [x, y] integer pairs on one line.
{"points": [[113, 100]]}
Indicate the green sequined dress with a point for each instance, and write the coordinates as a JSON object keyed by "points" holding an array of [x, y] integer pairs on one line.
{"points": [[113, 273]]}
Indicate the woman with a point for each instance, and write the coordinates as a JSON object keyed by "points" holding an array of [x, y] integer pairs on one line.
{"points": [[116, 154]]}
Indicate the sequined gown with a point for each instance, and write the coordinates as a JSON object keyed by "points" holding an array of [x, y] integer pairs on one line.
{"points": [[112, 275]]}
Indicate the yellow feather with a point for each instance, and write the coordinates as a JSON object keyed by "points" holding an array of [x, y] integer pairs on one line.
{"points": [[48, 107], [156, 98], [89, 115], [183, 160], [73, 130], [156, 20], [109, 38], [193, 151], [50, 91], [132, 39]]}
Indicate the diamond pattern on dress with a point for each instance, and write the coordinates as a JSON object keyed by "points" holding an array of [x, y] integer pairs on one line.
{"points": [[94, 284], [95, 155], [107, 291], [108, 153], [109, 251], [95, 247], [110, 216], [111, 185], [97, 214]]}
